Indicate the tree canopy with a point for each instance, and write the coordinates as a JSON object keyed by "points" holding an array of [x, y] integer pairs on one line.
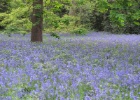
{"points": [[72, 16]]}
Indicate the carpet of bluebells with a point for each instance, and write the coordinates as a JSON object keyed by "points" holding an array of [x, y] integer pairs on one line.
{"points": [[98, 66]]}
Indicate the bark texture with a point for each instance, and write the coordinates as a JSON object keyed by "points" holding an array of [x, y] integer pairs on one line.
{"points": [[37, 21]]}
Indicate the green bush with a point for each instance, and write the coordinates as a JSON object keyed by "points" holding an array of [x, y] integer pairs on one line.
{"points": [[79, 31], [16, 21]]}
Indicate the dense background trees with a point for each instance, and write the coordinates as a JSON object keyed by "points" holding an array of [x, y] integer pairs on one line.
{"points": [[74, 16]]}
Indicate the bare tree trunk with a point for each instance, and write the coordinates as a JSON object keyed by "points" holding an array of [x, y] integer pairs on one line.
{"points": [[37, 21]]}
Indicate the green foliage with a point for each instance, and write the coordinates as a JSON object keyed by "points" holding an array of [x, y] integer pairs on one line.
{"points": [[66, 20], [37, 6], [123, 16], [79, 31], [119, 16], [102, 6], [54, 23], [16, 21], [4, 5], [64, 16], [82, 89], [55, 35]]}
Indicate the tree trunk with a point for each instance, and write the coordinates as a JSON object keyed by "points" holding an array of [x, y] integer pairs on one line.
{"points": [[37, 21]]}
